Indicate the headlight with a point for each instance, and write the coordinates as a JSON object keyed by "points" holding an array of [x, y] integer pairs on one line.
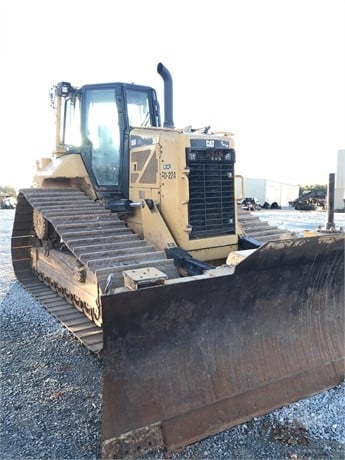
{"points": [[191, 156]]}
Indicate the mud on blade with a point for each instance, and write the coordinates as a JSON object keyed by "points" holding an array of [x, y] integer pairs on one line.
{"points": [[193, 357]]}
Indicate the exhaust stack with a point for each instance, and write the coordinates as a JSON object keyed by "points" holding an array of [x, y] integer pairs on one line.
{"points": [[168, 96]]}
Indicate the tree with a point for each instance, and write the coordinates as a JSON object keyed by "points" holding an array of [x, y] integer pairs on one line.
{"points": [[304, 188], [7, 190]]}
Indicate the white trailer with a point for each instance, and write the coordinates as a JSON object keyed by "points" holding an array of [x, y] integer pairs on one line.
{"points": [[270, 191]]}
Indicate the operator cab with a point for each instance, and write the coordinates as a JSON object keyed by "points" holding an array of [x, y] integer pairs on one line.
{"points": [[96, 121]]}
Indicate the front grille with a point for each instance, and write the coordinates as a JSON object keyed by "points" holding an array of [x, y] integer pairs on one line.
{"points": [[211, 209]]}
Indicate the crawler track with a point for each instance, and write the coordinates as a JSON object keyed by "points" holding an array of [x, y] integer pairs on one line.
{"points": [[97, 239], [260, 230], [76, 322]]}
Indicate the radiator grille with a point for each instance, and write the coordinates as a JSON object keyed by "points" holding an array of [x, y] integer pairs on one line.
{"points": [[211, 208]]}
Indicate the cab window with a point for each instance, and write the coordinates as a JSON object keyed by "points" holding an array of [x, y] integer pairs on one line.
{"points": [[102, 129]]}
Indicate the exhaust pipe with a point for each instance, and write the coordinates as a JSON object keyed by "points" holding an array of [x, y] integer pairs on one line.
{"points": [[168, 96]]}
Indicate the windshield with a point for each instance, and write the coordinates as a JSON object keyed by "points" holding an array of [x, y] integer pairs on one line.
{"points": [[102, 129]]}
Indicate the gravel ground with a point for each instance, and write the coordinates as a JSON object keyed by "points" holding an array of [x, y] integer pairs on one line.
{"points": [[51, 402]]}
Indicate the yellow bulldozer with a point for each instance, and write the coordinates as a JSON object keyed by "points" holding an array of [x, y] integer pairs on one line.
{"points": [[131, 236]]}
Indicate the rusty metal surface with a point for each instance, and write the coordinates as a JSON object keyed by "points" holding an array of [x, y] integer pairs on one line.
{"points": [[200, 356]]}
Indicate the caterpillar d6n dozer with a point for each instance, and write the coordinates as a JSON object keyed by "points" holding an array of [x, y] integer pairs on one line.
{"points": [[132, 238]]}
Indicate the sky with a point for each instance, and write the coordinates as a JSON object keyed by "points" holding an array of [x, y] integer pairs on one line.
{"points": [[270, 71]]}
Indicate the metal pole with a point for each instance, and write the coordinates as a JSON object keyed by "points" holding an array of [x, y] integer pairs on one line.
{"points": [[330, 201]]}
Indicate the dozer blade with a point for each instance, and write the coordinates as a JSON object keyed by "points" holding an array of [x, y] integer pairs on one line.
{"points": [[188, 359]]}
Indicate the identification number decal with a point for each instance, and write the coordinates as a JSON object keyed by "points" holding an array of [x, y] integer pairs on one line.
{"points": [[168, 175]]}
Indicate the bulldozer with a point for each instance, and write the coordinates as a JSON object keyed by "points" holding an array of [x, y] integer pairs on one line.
{"points": [[132, 237]]}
